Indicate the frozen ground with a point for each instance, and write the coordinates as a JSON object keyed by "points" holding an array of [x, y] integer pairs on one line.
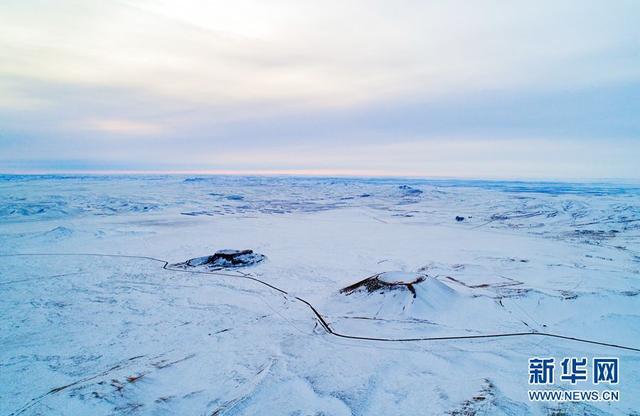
{"points": [[100, 335]]}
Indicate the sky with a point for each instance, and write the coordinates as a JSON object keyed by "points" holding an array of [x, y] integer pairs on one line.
{"points": [[483, 89]]}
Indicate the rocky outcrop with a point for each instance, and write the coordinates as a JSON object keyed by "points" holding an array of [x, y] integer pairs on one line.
{"points": [[224, 259], [386, 281]]}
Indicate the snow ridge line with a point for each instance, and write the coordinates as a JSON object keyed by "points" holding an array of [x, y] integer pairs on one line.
{"points": [[323, 322]]}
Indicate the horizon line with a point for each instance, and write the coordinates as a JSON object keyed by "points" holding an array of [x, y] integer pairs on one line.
{"points": [[318, 173]]}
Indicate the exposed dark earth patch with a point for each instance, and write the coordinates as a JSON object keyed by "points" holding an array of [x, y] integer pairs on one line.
{"points": [[489, 400], [409, 191], [386, 281], [224, 259]]}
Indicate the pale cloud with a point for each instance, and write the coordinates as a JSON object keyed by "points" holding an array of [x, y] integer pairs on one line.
{"points": [[439, 157], [119, 127], [316, 53], [202, 77]]}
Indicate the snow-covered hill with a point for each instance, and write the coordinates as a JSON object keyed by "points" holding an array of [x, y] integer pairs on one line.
{"points": [[145, 330]]}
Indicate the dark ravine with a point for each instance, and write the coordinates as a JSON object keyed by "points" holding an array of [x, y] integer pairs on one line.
{"points": [[325, 325]]}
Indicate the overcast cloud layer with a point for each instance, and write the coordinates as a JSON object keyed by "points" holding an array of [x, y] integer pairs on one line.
{"points": [[463, 89]]}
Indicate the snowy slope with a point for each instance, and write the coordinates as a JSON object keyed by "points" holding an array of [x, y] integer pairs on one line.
{"points": [[85, 334]]}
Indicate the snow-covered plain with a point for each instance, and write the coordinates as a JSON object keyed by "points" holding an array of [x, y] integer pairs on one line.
{"points": [[82, 334]]}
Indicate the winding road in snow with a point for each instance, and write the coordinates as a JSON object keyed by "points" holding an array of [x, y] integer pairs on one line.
{"points": [[321, 320]]}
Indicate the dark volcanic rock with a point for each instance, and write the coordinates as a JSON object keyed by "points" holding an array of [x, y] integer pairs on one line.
{"points": [[388, 281], [224, 259], [409, 191], [234, 197]]}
